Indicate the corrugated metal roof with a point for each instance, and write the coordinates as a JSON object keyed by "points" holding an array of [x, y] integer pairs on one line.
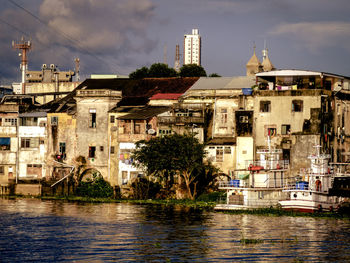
{"points": [[144, 113], [37, 114], [166, 96], [223, 83]]}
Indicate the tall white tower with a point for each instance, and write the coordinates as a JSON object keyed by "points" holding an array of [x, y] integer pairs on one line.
{"points": [[192, 48]]}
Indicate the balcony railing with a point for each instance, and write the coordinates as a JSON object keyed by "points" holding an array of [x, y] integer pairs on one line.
{"points": [[180, 119], [267, 165]]}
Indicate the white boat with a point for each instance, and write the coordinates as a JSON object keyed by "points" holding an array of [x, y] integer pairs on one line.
{"points": [[259, 184], [317, 188]]}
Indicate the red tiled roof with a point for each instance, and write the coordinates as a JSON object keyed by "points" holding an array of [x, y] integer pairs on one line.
{"points": [[166, 96]]}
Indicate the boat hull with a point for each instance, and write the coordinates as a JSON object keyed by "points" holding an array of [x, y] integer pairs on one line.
{"points": [[308, 206]]}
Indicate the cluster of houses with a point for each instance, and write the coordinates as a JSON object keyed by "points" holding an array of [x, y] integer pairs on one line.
{"points": [[102, 118]]}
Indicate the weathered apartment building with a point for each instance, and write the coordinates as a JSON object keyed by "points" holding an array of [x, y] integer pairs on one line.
{"points": [[102, 119]]}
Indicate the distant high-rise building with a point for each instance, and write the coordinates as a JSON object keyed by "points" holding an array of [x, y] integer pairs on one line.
{"points": [[192, 48]]}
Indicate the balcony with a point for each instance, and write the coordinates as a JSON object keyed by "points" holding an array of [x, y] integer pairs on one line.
{"points": [[180, 119]]}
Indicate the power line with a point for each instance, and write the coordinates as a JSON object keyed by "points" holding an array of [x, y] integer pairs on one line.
{"points": [[15, 28], [72, 40]]}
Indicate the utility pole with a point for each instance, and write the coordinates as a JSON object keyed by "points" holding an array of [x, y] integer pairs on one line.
{"points": [[24, 46]]}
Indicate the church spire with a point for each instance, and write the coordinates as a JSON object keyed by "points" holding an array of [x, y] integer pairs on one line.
{"points": [[266, 63], [253, 66]]}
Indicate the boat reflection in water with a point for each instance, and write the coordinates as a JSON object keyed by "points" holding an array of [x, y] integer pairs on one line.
{"points": [[54, 231]]}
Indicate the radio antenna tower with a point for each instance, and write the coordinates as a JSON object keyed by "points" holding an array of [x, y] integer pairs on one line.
{"points": [[77, 69], [177, 58], [24, 46], [165, 55]]}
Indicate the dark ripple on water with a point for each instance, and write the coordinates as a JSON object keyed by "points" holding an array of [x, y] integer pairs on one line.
{"points": [[52, 231]]}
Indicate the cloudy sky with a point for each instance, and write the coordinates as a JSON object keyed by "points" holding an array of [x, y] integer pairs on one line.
{"points": [[118, 36]]}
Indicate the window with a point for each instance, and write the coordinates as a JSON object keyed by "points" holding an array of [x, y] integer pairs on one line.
{"points": [[29, 142], [285, 129], [92, 151], [62, 147], [34, 170], [137, 128], [271, 131], [219, 154], [227, 150], [5, 144], [164, 132], [297, 106], [265, 106], [92, 118], [124, 177], [29, 121], [10, 122], [101, 148], [111, 119], [112, 149], [223, 115], [54, 120], [243, 119], [2, 172]]}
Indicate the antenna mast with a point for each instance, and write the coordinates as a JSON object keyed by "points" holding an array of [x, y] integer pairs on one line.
{"points": [[77, 69], [177, 58], [24, 46], [165, 55]]}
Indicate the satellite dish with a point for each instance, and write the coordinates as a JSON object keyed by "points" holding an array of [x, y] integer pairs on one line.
{"points": [[151, 131]]}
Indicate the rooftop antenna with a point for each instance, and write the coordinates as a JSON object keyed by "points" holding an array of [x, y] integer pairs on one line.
{"points": [[24, 46], [77, 68]]}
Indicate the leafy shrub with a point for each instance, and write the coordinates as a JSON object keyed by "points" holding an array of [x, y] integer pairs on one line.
{"points": [[143, 188], [97, 188], [212, 197]]}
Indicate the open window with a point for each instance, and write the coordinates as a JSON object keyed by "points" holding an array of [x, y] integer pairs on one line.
{"points": [[5, 144], [297, 106], [285, 129], [92, 118], [265, 106], [92, 152]]}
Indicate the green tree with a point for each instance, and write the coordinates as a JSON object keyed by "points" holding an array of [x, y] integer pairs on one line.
{"points": [[214, 75], [139, 73], [181, 155], [161, 70], [157, 70], [192, 70]]}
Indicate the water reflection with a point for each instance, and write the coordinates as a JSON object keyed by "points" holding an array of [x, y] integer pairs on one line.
{"points": [[50, 231]]}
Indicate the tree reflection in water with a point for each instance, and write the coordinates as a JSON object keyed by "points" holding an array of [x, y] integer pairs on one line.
{"points": [[50, 231]]}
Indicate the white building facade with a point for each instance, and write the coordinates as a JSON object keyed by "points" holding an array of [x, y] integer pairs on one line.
{"points": [[192, 48]]}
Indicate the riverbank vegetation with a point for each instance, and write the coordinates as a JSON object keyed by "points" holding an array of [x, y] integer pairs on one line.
{"points": [[173, 168]]}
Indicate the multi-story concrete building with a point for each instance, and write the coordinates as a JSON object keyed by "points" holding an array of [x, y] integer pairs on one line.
{"points": [[228, 117], [192, 48], [296, 109]]}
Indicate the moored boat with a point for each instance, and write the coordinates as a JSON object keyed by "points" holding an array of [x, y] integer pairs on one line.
{"points": [[318, 187], [259, 184]]}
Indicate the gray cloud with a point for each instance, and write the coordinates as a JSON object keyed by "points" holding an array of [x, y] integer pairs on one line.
{"points": [[102, 33], [316, 35]]}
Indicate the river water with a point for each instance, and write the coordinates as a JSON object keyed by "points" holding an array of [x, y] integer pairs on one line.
{"points": [[55, 231]]}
